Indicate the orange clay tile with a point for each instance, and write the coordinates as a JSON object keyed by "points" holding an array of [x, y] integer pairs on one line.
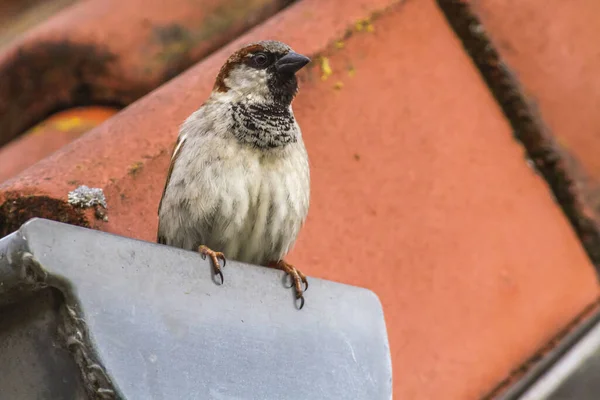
{"points": [[17, 16], [419, 191], [49, 136], [111, 52], [550, 47]]}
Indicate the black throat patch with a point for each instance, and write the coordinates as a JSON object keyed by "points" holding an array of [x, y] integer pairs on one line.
{"points": [[263, 125], [283, 88]]}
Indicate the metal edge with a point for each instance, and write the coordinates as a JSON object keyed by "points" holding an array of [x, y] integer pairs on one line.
{"points": [[24, 275], [565, 366], [516, 391]]}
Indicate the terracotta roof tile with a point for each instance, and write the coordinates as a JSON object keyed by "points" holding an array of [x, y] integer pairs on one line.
{"points": [[107, 52], [541, 60]]}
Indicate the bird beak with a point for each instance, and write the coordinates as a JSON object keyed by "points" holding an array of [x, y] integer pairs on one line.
{"points": [[291, 63]]}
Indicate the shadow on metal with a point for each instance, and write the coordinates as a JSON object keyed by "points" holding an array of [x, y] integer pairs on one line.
{"points": [[83, 311]]}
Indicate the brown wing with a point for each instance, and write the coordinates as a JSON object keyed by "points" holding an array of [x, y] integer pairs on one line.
{"points": [[174, 156]]}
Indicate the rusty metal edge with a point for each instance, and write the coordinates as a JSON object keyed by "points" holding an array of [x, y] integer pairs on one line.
{"points": [[566, 368], [563, 342]]}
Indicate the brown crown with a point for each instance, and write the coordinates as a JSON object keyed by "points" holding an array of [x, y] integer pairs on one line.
{"points": [[235, 59]]}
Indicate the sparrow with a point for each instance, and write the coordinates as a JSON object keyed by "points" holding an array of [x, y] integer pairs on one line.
{"points": [[239, 180]]}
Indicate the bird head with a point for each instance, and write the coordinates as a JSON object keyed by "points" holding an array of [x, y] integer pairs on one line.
{"points": [[261, 72]]}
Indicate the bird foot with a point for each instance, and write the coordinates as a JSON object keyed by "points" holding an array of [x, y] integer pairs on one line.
{"points": [[215, 256], [298, 279]]}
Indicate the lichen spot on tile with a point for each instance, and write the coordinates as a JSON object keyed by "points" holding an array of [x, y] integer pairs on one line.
{"points": [[364, 25], [326, 70], [86, 197]]}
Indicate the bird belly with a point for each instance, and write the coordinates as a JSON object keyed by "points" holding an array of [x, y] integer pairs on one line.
{"points": [[246, 205], [266, 216]]}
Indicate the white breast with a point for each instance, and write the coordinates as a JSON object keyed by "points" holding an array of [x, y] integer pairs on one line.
{"points": [[248, 203], [264, 202]]}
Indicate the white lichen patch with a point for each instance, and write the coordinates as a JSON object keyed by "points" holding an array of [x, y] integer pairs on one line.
{"points": [[86, 197]]}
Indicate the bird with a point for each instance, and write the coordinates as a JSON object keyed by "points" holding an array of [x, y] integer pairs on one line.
{"points": [[238, 184]]}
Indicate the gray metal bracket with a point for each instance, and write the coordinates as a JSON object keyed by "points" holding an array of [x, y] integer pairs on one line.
{"points": [[87, 314]]}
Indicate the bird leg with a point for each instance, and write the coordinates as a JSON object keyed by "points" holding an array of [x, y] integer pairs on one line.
{"points": [[215, 256], [298, 278]]}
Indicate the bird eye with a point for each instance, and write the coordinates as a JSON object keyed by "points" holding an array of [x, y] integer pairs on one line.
{"points": [[260, 59]]}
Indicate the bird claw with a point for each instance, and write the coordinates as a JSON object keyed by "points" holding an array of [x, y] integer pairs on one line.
{"points": [[215, 256], [291, 285], [220, 276], [304, 282], [298, 280]]}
